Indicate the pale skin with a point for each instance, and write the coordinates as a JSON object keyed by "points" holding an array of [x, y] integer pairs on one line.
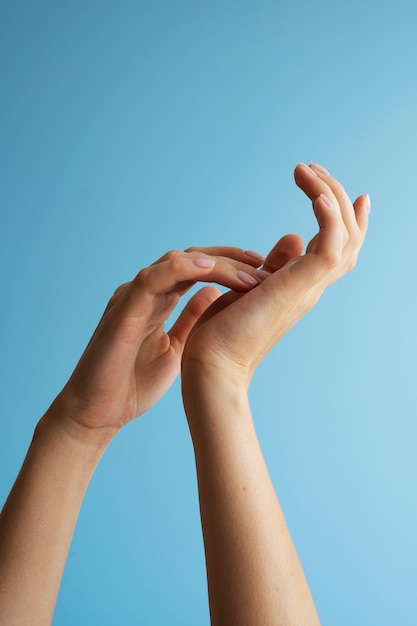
{"points": [[254, 574]]}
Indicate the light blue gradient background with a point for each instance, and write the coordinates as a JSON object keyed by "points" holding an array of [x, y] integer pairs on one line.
{"points": [[130, 128]]}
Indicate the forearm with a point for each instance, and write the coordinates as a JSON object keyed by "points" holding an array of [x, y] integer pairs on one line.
{"points": [[38, 520], [254, 574]]}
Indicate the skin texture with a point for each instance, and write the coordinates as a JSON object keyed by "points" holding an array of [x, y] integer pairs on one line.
{"points": [[254, 574], [127, 366], [253, 571]]}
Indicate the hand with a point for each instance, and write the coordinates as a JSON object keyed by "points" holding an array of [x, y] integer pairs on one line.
{"points": [[131, 361], [238, 329]]}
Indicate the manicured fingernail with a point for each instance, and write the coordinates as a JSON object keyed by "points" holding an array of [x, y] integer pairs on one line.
{"points": [[320, 168], [246, 278], [263, 274], [368, 202], [204, 262], [255, 255], [326, 201], [308, 169]]}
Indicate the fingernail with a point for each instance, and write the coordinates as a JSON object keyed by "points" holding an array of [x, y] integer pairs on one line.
{"points": [[326, 200], [204, 262], [263, 274], [320, 168], [255, 255], [368, 202], [246, 278], [308, 169]]}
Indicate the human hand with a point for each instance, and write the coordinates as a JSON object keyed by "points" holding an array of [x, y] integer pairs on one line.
{"points": [[131, 361], [236, 331]]}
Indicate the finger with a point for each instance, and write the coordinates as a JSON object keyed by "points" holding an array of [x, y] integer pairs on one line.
{"points": [[245, 256], [362, 207], [227, 272], [116, 296], [327, 258], [190, 315], [309, 181], [298, 277], [339, 193], [287, 248], [313, 186], [174, 277], [330, 238], [311, 246], [355, 216], [110, 306], [227, 258]]}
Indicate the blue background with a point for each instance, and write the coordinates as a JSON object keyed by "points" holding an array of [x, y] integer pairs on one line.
{"points": [[130, 128]]}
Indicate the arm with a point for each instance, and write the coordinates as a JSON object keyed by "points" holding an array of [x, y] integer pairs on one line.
{"points": [[37, 522], [127, 366], [254, 575]]}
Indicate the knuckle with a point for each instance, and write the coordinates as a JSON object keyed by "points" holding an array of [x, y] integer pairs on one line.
{"points": [[356, 238], [118, 290], [175, 263], [118, 293], [142, 277], [351, 262], [242, 267], [169, 255], [172, 254], [331, 259]]}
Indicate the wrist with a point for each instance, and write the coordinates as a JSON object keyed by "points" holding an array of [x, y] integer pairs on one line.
{"points": [[204, 380], [220, 372], [74, 455], [62, 422], [214, 398]]}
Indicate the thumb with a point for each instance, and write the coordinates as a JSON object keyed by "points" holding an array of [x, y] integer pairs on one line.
{"points": [[286, 249], [190, 315]]}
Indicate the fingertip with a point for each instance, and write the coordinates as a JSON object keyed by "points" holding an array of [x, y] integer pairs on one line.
{"points": [[193, 310], [293, 243], [298, 167], [324, 200], [255, 258], [319, 169], [362, 207], [325, 211], [302, 168], [247, 279], [365, 199], [209, 293], [202, 299], [288, 247]]}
